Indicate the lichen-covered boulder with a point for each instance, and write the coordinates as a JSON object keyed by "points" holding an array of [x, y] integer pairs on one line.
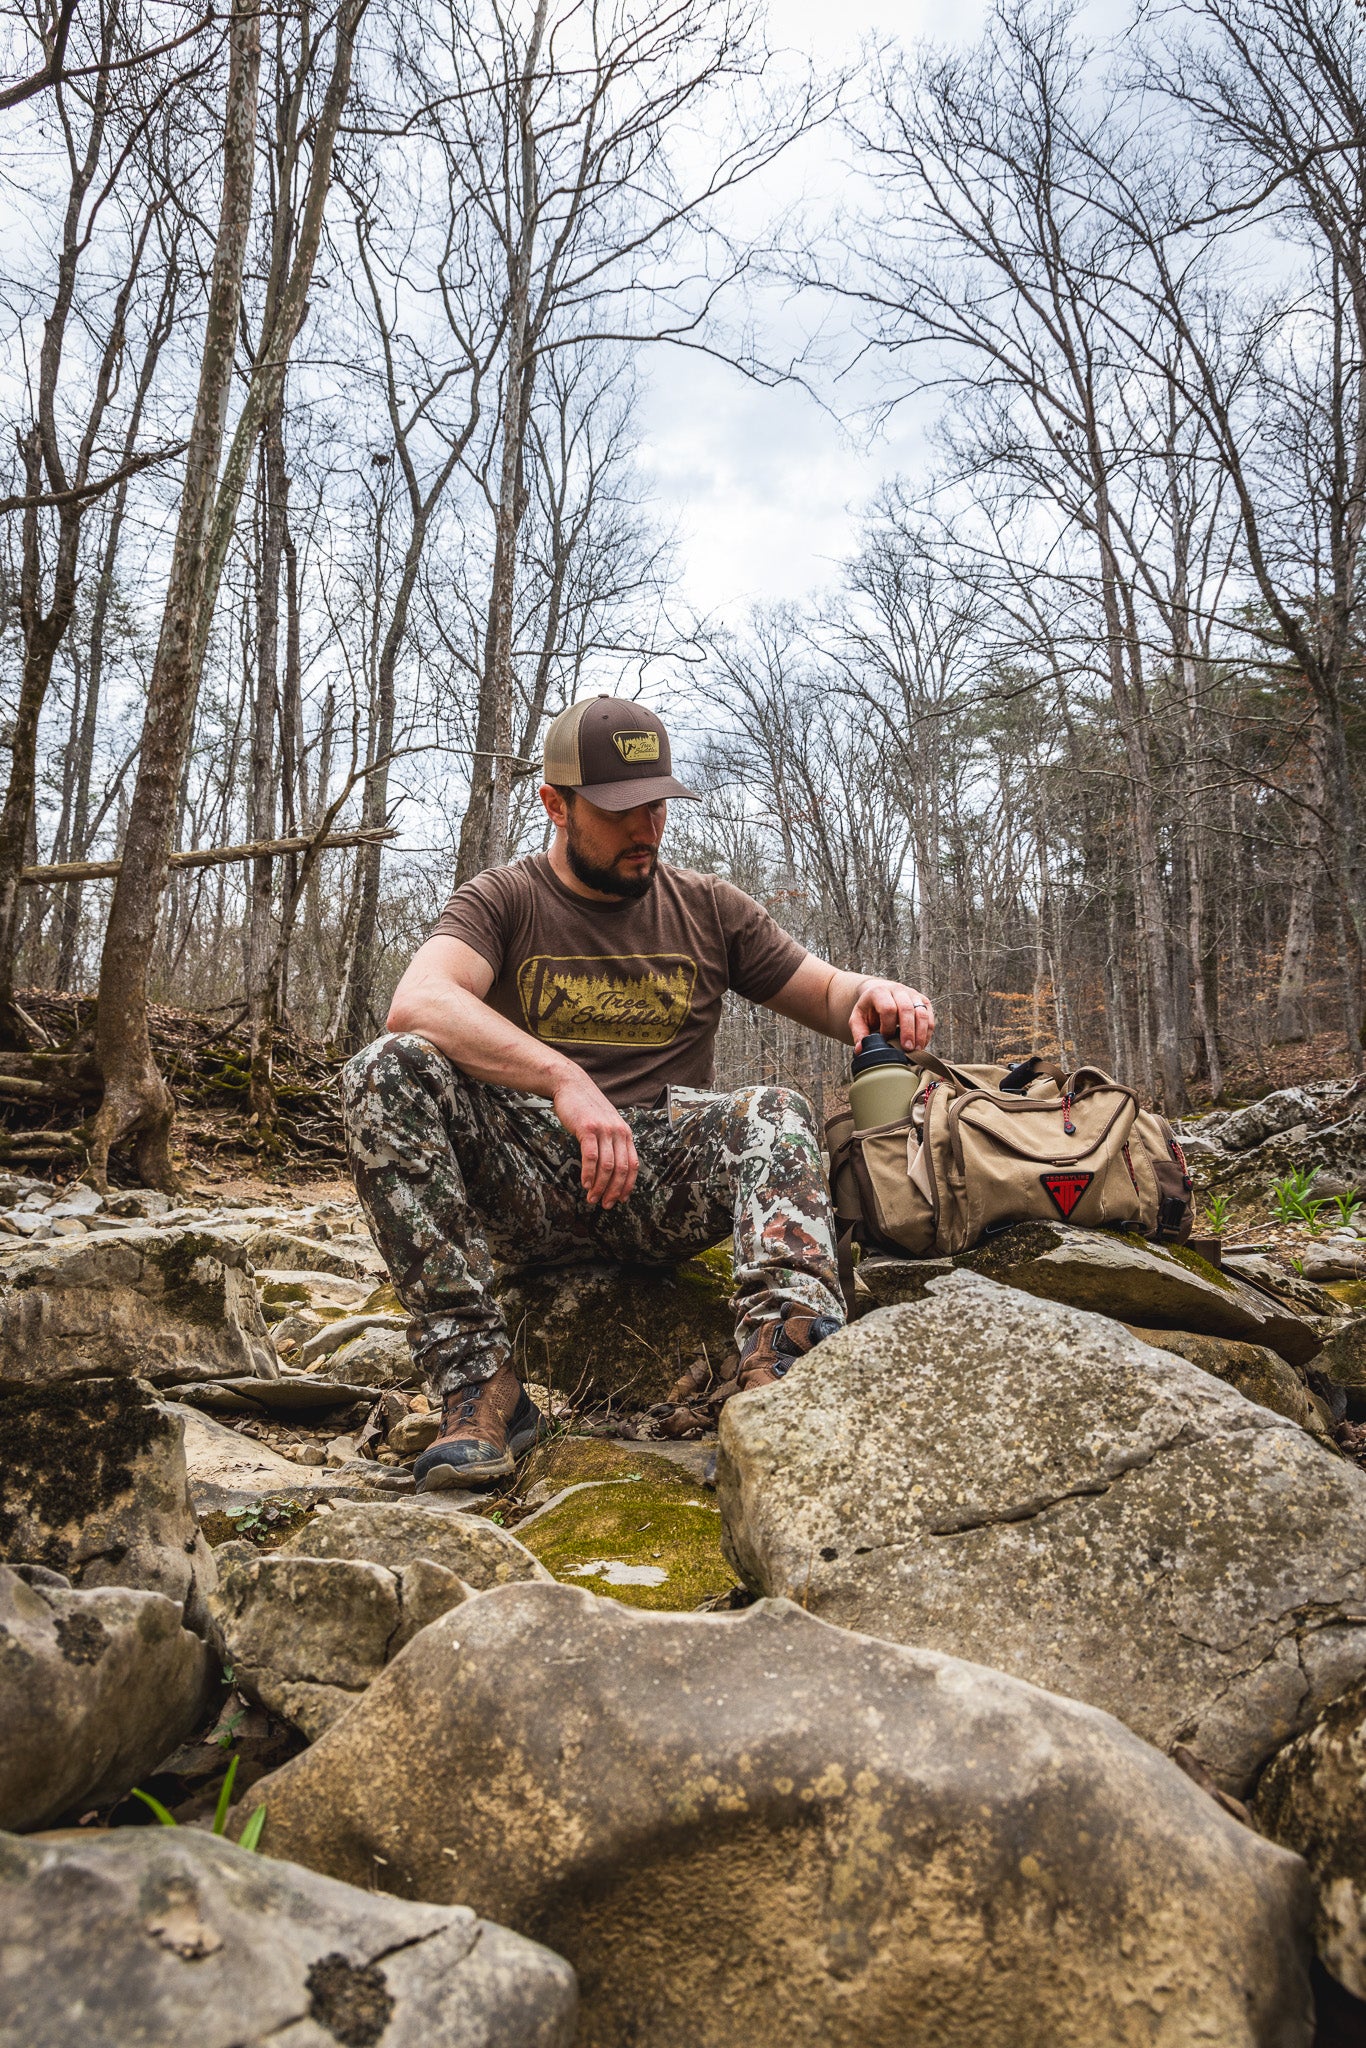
{"points": [[93, 1484], [304, 1636], [95, 1689], [759, 1829], [169, 1937], [1020, 1482], [1280, 1111], [306, 1629], [1162, 1287], [397, 1534], [624, 1332], [160, 1305], [1312, 1799], [1258, 1373]]}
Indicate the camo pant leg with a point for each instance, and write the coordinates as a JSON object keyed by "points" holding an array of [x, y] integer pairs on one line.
{"points": [[452, 1171], [746, 1164], [449, 1171]]}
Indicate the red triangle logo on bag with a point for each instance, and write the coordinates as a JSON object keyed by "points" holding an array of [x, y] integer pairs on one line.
{"points": [[1065, 1190]]}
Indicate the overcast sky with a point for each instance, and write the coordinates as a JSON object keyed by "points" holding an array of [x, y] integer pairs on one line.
{"points": [[764, 487]]}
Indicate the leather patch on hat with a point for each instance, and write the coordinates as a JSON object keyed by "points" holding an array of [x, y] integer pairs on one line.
{"points": [[636, 746]]}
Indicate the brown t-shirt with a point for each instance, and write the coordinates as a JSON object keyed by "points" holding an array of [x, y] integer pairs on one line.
{"points": [[631, 991]]}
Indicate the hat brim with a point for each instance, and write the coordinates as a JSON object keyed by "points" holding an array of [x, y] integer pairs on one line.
{"points": [[641, 789]]}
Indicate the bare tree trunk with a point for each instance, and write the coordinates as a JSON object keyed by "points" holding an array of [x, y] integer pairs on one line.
{"points": [[40, 453], [259, 947], [137, 1102], [484, 829], [1291, 1021]]}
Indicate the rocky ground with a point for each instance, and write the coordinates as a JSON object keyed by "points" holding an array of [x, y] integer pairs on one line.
{"points": [[999, 1677]]}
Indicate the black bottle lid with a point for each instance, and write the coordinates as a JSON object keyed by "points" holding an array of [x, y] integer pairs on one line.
{"points": [[875, 1051]]}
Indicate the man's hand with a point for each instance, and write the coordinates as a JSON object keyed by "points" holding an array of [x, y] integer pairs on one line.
{"points": [[894, 1010], [608, 1150]]}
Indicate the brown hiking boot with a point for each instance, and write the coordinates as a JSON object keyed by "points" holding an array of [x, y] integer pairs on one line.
{"points": [[486, 1425], [774, 1346]]}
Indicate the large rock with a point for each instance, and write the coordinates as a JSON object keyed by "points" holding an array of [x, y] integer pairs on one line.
{"points": [[1013, 1480], [307, 1629], [163, 1305], [229, 1472], [759, 1829], [346, 1328], [1275, 1113], [95, 1486], [1343, 1357], [282, 1251], [624, 1332], [378, 1358], [95, 1689], [165, 1937], [1160, 1287], [1312, 1798], [396, 1535], [304, 1636], [1257, 1372]]}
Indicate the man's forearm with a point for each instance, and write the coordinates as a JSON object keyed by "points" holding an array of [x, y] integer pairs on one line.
{"points": [[478, 1040], [841, 995]]}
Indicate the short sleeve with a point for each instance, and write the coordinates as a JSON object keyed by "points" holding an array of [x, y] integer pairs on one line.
{"points": [[760, 955], [482, 913]]}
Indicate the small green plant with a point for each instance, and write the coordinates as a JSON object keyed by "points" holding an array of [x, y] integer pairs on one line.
{"points": [[1216, 1213], [1348, 1207], [251, 1833], [265, 1520], [1291, 1200]]}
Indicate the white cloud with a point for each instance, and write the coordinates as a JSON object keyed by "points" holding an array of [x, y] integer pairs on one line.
{"points": [[765, 486]]}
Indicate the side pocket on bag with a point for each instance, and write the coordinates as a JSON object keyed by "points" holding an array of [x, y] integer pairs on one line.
{"points": [[894, 1208]]}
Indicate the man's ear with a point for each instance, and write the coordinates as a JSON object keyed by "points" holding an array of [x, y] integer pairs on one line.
{"points": [[556, 809]]}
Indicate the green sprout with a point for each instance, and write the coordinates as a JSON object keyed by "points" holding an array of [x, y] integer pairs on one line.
{"points": [[1291, 1201], [251, 1833]]}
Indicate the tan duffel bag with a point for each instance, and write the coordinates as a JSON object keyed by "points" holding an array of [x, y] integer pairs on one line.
{"points": [[985, 1147]]}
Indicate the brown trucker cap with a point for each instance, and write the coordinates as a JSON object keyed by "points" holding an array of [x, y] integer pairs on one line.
{"points": [[613, 753]]}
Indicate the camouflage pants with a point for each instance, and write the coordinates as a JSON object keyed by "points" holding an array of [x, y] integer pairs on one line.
{"points": [[454, 1173]]}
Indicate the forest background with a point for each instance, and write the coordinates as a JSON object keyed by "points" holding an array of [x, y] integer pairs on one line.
{"points": [[959, 434]]}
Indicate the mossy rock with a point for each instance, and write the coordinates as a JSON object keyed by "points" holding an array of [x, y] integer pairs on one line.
{"points": [[1118, 1274], [383, 1301], [637, 1530], [1257, 1372], [623, 1333]]}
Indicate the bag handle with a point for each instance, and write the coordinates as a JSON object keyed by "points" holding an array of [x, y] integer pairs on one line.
{"points": [[1035, 1068], [927, 1063]]}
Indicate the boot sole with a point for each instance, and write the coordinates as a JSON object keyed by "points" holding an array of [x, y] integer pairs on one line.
{"points": [[464, 1478]]}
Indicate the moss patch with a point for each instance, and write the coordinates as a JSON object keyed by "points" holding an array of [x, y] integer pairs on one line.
{"points": [[1193, 1263], [636, 1525], [277, 1293], [1351, 1293], [1018, 1246], [68, 1452], [383, 1301], [570, 1460]]}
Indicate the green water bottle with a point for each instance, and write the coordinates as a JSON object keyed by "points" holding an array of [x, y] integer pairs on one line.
{"points": [[884, 1083]]}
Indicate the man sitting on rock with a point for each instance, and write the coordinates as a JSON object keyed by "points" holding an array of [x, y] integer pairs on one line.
{"points": [[544, 1091]]}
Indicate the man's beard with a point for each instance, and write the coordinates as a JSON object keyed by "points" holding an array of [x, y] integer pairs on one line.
{"points": [[607, 880]]}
